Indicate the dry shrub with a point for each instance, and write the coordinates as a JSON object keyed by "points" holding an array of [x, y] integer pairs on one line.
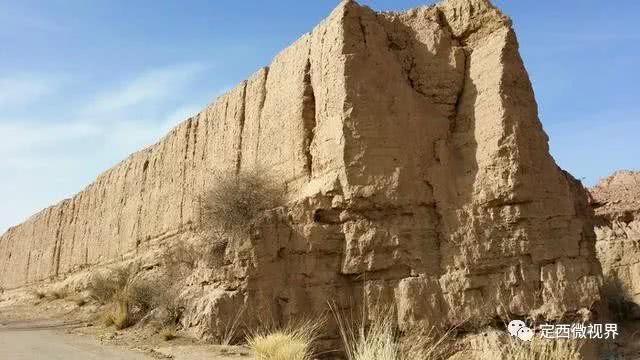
{"points": [[128, 298], [380, 339], [537, 349], [59, 294], [104, 286], [80, 301], [293, 342], [39, 294], [118, 314], [169, 302], [168, 332], [180, 259], [236, 202]]}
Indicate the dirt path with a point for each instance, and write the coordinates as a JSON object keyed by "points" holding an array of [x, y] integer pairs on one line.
{"points": [[30, 340]]}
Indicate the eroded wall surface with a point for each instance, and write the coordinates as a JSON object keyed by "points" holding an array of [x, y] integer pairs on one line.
{"points": [[616, 200]]}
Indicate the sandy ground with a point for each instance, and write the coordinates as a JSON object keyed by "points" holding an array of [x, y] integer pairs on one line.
{"points": [[32, 328], [27, 340]]}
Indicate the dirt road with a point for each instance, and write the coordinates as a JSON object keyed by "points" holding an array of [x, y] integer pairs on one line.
{"points": [[46, 340]]}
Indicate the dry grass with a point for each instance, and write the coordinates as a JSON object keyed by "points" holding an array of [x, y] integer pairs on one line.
{"points": [[119, 315], [168, 300], [168, 332], [39, 294], [294, 342], [537, 349], [421, 344], [127, 297], [59, 294], [231, 329], [80, 301], [104, 286], [380, 339], [236, 202], [180, 259]]}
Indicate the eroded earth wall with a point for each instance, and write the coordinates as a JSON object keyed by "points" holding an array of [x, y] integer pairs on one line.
{"points": [[616, 200], [415, 166]]}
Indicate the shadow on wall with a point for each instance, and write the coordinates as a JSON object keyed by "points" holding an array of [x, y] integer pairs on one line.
{"points": [[619, 301]]}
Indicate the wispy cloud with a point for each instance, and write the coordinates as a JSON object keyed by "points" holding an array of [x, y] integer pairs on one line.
{"points": [[45, 158], [24, 88], [27, 136], [152, 85]]}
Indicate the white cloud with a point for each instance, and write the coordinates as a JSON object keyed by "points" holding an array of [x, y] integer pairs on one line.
{"points": [[25, 88], [24, 136], [153, 85], [44, 159]]}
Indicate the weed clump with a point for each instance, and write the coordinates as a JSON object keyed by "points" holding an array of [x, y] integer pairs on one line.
{"points": [[294, 342], [128, 298], [168, 332], [59, 294], [236, 202], [380, 339]]}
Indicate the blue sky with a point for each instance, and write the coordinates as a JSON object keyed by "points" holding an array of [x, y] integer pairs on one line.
{"points": [[83, 83]]}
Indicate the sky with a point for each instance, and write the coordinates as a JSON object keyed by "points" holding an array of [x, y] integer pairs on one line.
{"points": [[84, 83]]}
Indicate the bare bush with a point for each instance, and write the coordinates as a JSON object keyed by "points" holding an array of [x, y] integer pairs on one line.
{"points": [[104, 286], [128, 298], [39, 294], [168, 302], [180, 259], [236, 202]]}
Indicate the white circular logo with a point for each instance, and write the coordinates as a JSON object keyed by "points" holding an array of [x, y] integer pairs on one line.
{"points": [[514, 326]]}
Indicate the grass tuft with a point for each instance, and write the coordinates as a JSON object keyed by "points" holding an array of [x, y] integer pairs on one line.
{"points": [[80, 301], [295, 342], [380, 339], [59, 294], [128, 298], [118, 314], [168, 332], [39, 294]]}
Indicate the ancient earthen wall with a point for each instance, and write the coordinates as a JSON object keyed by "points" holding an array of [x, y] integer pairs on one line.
{"points": [[415, 165], [616, 201]]}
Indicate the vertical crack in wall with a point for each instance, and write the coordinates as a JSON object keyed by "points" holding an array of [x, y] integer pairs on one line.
{"points": [[308, 118], [185, 160], [58, 243], [263, 99], [26, 276], [242, 118], [454, 119]]}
